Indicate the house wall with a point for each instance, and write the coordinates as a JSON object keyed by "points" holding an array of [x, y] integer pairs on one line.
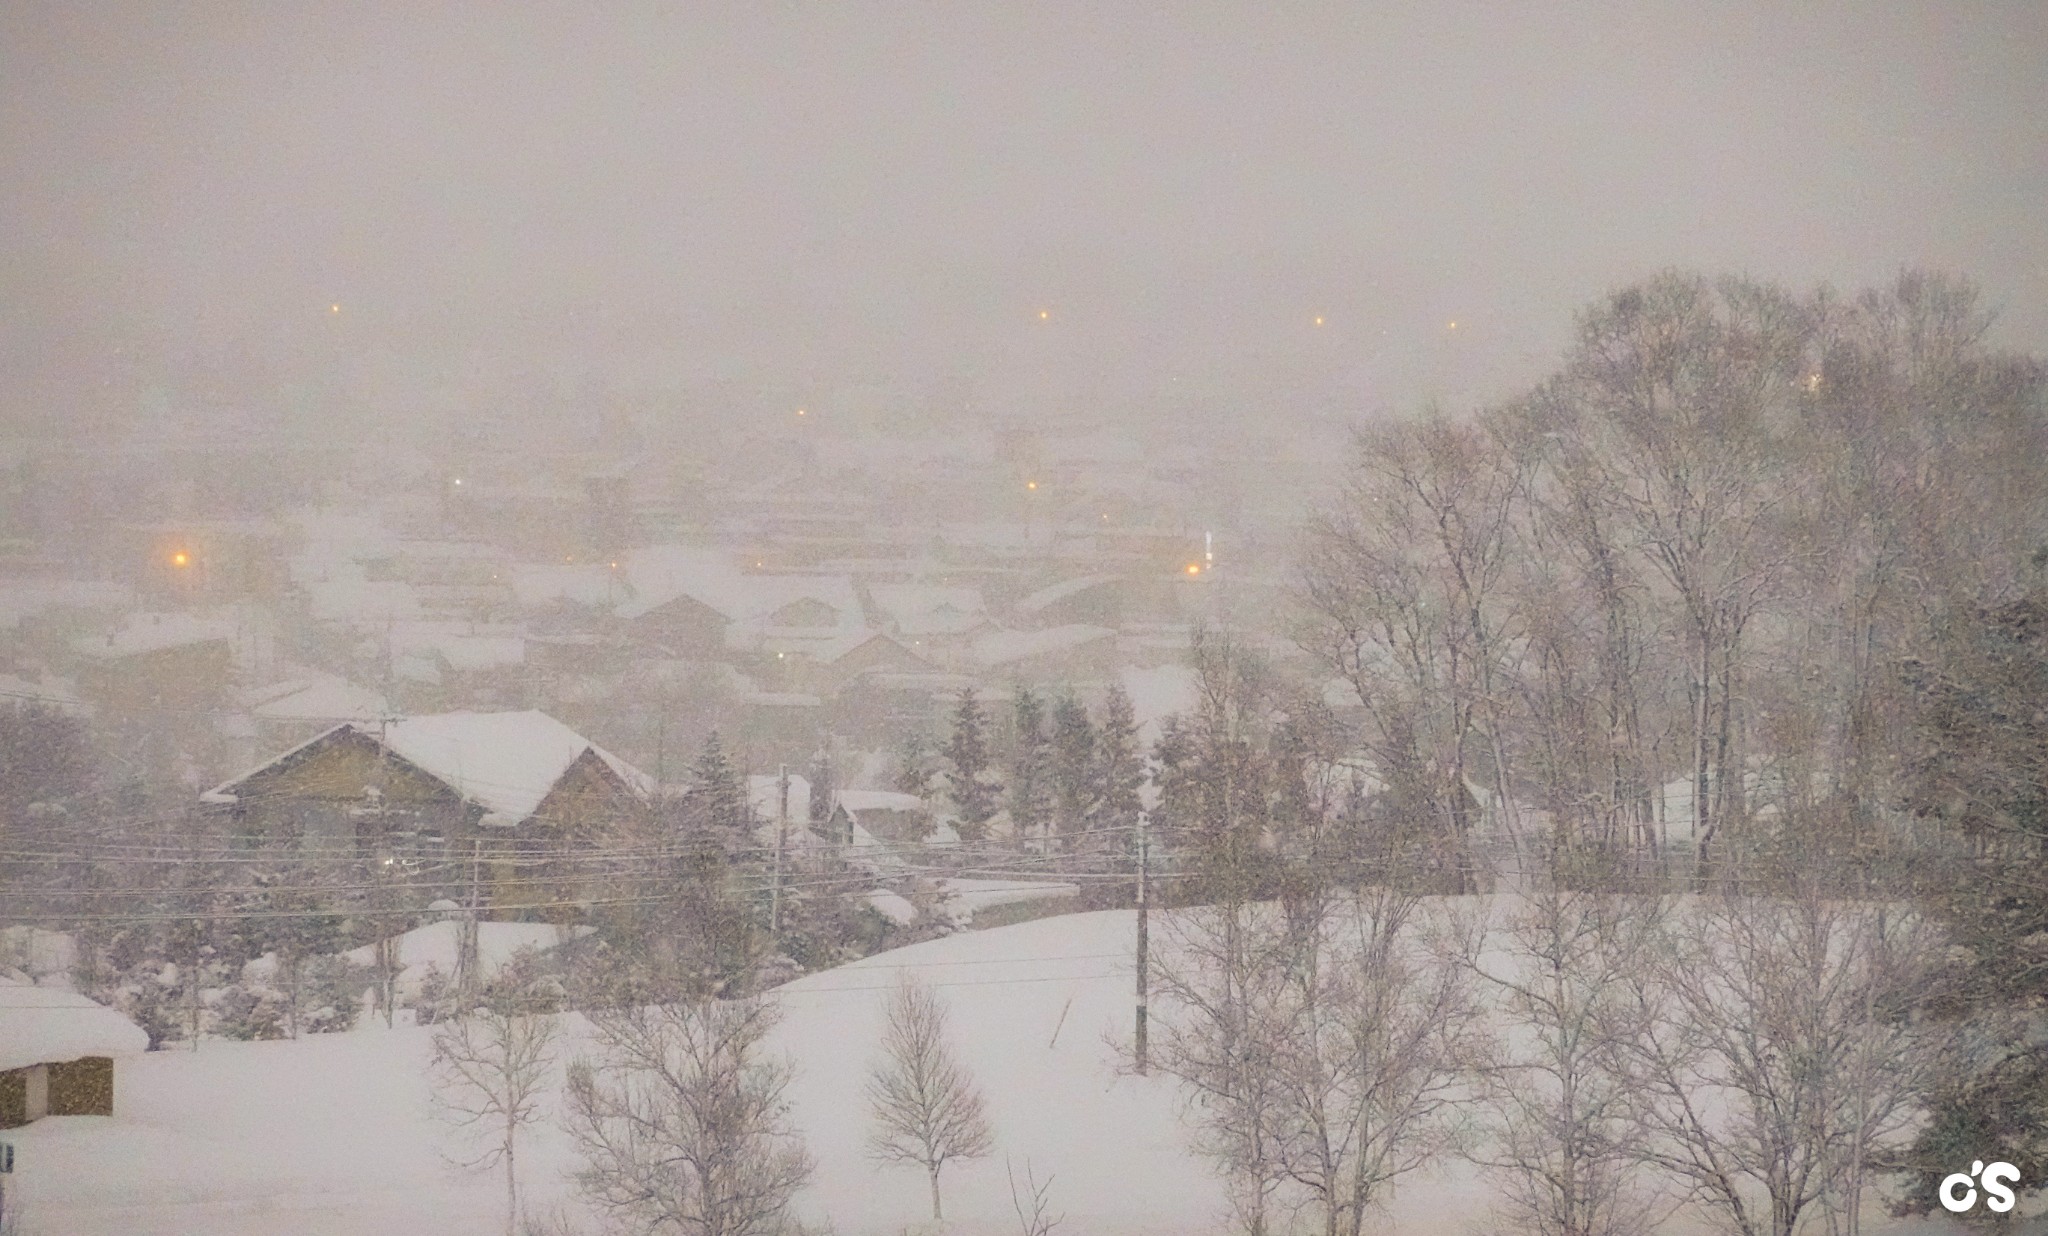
{"points": [[588, 806], [13, 1098], [684, 626], [315, 795], [82, 1087], [72, 1088]]}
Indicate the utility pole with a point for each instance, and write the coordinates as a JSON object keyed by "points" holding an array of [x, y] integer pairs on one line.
{"points": [[781, 844], [1144, 940], [466, 954]]}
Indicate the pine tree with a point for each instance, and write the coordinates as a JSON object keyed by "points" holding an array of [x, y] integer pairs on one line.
{"points": [[1119, 767], [717, 807], [1030, 798], [1073, 767], [917, 768], [823, 786], [968, 781], [1978, 768]]}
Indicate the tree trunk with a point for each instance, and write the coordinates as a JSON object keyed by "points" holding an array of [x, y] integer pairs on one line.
{"points": [[937, 1216], [511, 1191]]}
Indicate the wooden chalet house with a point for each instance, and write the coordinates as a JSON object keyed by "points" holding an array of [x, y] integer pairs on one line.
{"points": [[494, 804]]}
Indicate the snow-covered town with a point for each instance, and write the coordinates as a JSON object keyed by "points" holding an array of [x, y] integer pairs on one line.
{"points": [[1072, 620]]}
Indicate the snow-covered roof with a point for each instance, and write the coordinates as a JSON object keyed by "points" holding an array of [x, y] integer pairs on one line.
{"points": [[155, 632], [878, 800], [52, 1025], [481, 652], [929, 609], [1046, 597], [504, 762], [28, 598], [762, 791], [1006, 647], [438, 945], [660, 574], [321, 698], [594, 584], [893, 906], [968, 896]]}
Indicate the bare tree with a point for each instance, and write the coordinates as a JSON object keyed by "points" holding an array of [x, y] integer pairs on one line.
{"points": [[1219, 981], [1379, 1020], [1560, 1141], [682, 1121], [1035, 1216], [1776, 1056], [1402, 591], [490, 1072], [927, 1108]]}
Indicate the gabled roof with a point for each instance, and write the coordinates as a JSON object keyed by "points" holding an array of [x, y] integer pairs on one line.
{"points": [[857, 801], [52, 1025], [929, 609], [503, 762]]}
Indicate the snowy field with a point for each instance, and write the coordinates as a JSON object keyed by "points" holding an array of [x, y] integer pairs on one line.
{"points": [[333, 1135]]}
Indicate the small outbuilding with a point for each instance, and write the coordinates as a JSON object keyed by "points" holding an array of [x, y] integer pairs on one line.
{"points": [[57, 1053]]}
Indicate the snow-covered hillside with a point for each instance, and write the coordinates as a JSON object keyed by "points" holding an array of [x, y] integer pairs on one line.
{"points": [[333, 1136]]}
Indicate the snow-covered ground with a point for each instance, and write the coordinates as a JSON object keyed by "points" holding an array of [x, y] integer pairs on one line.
{"points": [[333, 1135]]}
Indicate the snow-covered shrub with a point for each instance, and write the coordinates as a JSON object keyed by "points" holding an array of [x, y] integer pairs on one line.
{"points": [[248, 1012], [151, 1003], [434, 1000], [528, 983], [331, 994]]}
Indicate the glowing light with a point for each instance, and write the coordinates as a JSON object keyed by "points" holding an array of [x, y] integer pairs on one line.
{"points": [[1319, 320], [1031, 484], [181, 558], [458, 480], [799, 411], [615, 566], [1194, 568], [1453, 325], [334, 308], [1045, 315]]}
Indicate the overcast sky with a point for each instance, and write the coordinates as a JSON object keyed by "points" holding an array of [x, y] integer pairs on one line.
{"points": [[855, 192]]}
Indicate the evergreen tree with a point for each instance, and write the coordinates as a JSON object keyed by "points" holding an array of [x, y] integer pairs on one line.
{"points": [[1073, 768], [1030, 797], [917, 767], [1119, 769], [970, 781], [823, 786], [1979, 768], [717, 806]]}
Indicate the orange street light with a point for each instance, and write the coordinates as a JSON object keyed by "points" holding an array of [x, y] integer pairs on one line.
{"points": [[181, 558], [1194, 568]]}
